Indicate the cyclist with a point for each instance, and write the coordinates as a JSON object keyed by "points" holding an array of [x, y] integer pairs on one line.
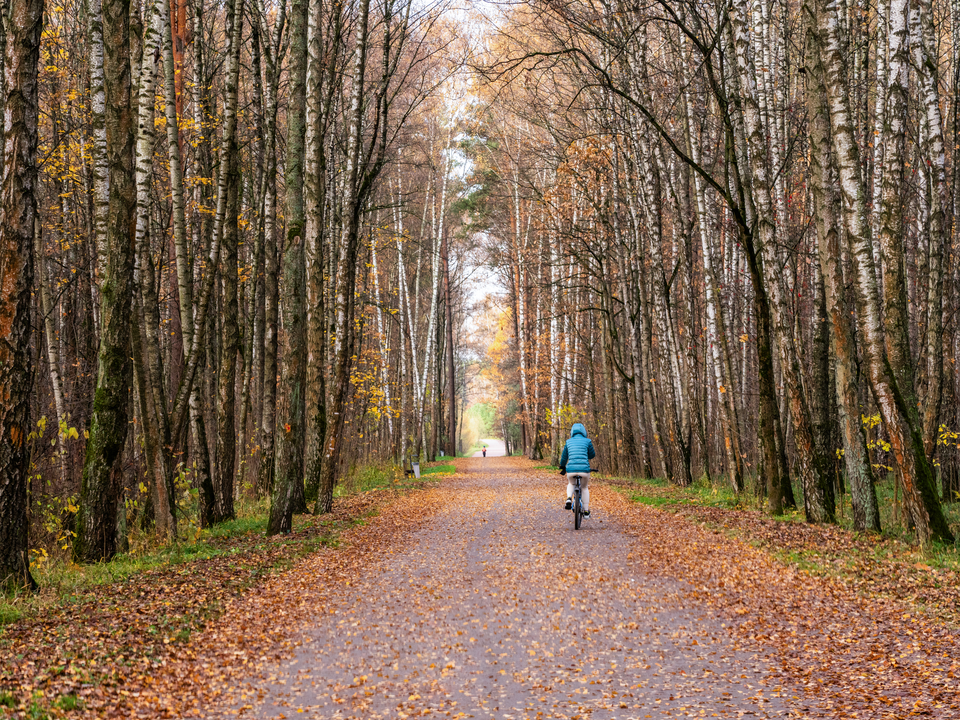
{"points": [[575, 459]]}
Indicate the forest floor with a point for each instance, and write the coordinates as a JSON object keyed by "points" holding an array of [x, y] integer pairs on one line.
{"points": [[880, 566], [70, 650], [475, 597]]}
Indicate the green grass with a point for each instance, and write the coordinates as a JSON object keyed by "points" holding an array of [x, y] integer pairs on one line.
{"points": [[65, 579], [7, 699], [69, 702], [659, 493], [438, 469], [9, 610], [378, 476], [60, 579], [655, 482], [37, 712], [802, 560], [654, 501], [891, 516], [372, 476]]}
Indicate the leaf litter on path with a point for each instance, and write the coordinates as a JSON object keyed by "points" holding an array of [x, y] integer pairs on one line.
{"points": [[499, 608]]}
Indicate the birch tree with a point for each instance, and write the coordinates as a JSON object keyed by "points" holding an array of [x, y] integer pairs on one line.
{"points": [[866, 513]]}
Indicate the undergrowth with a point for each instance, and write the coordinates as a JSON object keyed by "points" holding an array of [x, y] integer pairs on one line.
{"points": [[381, 475], [660, 493], [61, 580], [439, 469]]}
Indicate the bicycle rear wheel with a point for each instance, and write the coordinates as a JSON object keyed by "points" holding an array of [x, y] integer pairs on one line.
{"points": [[577, 508]]}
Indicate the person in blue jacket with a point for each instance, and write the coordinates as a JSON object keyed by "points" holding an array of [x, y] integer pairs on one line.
{"points": [[575, 459]]}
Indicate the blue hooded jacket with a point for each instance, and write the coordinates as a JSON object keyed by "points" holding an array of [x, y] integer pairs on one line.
{"points": [[578, 451]]}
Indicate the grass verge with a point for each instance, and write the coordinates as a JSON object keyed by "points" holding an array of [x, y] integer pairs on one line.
{"points": [[439, 469]]}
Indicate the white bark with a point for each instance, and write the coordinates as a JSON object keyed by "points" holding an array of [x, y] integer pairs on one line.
{"points": [[923, 43], [51, 341], [437, 226], [384, 347], [819, 507], [98, 147]]}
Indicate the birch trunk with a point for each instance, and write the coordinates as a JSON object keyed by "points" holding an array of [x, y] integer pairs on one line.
{"points": [[856, 460], [924, 45], [268, 417], [451, 442], [818, 491], [322, 85], [226, 229], [156, 415], [669, 379], [99, 167], [895, 311], [347, 266], [201, 455], [716, 339], [381, 333], [434, 301], [47, 309]]}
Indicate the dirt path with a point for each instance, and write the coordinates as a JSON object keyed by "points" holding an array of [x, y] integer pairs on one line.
{"points": [[495, 448], [497, 608]]}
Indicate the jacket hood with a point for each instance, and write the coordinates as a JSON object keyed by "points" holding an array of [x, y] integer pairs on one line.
{"points": [[578, 429]]}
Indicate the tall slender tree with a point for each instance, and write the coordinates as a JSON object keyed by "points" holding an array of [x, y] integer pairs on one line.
{"points": [[100, 490], [288, 484], [22, 26], [226, 227]]}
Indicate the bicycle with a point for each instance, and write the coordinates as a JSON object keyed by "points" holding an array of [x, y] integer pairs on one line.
{"points": [[577, 504]]}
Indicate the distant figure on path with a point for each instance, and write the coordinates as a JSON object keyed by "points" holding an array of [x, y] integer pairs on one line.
{"points": [[577, 453], [484, 450]]}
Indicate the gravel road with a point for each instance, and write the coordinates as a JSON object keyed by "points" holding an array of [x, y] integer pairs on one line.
{"points": [[498, 608]]}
